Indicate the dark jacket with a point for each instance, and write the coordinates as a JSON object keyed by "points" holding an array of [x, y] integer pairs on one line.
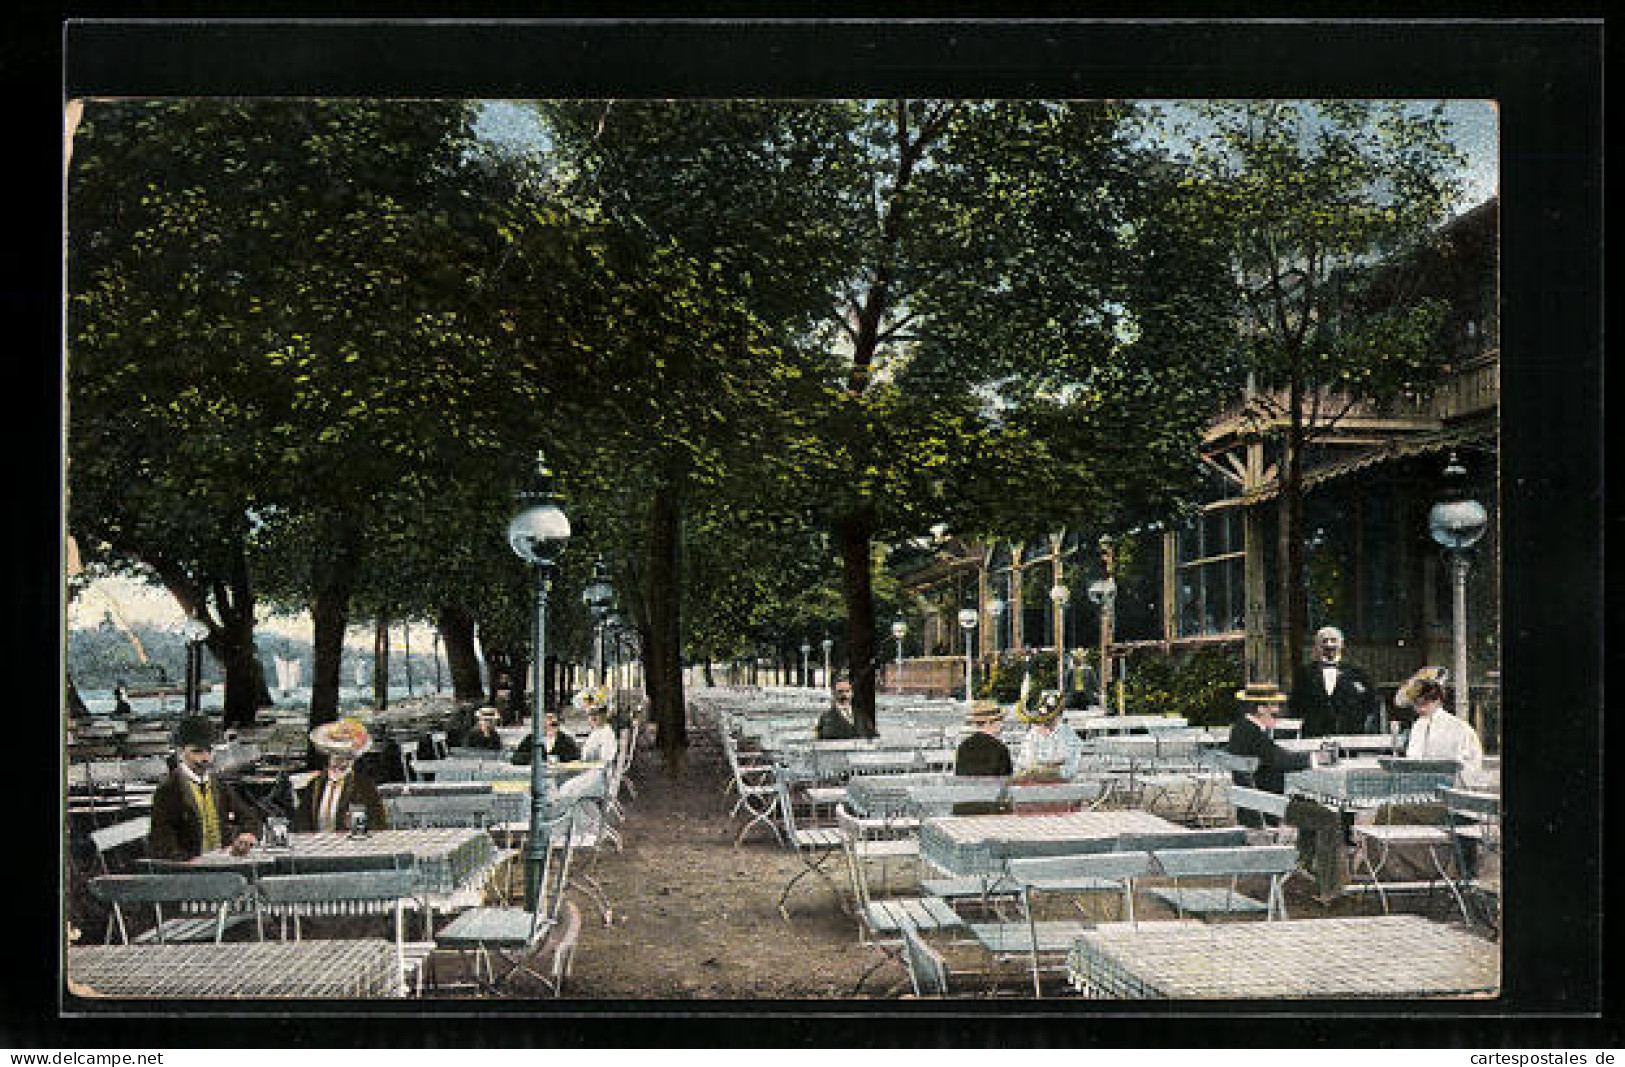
{"points": [[983, 756], [833, 726], [1351, 708], [357, 789], [177, 826], [1248, 739], [475, 739], [564, 747]]}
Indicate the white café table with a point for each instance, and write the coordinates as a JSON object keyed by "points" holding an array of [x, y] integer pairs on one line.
{"points": [[1389, 957]]}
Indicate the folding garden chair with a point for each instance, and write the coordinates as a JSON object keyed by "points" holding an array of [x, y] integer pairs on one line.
{"points": [[1073, 876], [215, 890], [879, 919], [1275, 862], [813, 845], [1475, 829], [120, 834], [758, 795], [517, 935], [351, 893]]}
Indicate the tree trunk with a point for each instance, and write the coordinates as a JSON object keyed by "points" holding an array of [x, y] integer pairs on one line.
{"points": [[456, 628], [380, 663], [330, 614], [663, 660], [335, 563], [233, 646], [1294, 593], [245, 675], [853, 533]]}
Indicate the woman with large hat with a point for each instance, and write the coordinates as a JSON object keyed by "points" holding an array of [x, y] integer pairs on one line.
{"points": [[1253, 734], [1436, 733], [1051, 748], [326, 801]]}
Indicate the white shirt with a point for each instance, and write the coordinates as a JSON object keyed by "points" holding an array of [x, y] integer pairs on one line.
{"points": [[1328, 673], [600, 744], [1441, 735], [327, 816], [1061, 744]]}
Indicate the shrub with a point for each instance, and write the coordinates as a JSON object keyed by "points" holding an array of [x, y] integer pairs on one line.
{"points": [[1201, 689]]}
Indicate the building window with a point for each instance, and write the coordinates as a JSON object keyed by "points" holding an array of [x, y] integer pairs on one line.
{"points": [[1138, 614], [1210, 591], [1037, 613]]}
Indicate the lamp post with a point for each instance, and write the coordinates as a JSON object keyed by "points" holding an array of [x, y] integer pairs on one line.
{"points": [[967, 622], [1103, 593], [1456, 523], [537, 534], [995, 611], [899, 630], [437, 661], [597, 596], [805, 650], [194, 631], [1059, 595], [827, 645]]}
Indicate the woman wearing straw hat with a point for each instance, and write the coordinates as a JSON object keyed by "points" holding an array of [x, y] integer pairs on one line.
{"points": [[1436, 733], [1051, 747], [1253, 734], [325, 802]]}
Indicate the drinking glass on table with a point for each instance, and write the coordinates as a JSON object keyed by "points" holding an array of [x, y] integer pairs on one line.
{"points": [[358, 821], [276, 833]]}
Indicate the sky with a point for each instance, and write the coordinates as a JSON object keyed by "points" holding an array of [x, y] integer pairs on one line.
{"points": [[1477, 135]]}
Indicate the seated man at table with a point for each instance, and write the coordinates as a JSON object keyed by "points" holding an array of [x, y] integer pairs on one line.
{"points": [[836, 724], [1321, 831], [555, 742], [194, 812], [1051, 749], [982, 755], [484, 734], [1253, 734], [327, 800]]}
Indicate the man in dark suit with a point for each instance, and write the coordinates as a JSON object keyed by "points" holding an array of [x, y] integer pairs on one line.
{"points": [[194, 812], [1333, 697]]}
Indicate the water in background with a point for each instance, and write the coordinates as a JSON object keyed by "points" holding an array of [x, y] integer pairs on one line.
{"points": [[100, 701]]}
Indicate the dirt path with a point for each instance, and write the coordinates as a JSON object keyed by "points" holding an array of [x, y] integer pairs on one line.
{"points": [[694, 917]]}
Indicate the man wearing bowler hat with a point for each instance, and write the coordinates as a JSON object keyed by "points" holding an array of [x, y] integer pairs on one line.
{"points": [[194, 812]]}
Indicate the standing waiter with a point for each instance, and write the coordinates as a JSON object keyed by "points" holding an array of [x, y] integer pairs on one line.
{"points": [[1333, 697]]}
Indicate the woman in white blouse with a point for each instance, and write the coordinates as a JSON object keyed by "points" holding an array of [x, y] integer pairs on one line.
{"points": [[600, 743], [1050, 745]]}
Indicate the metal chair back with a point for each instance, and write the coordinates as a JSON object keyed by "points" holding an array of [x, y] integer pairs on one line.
{"points": [[218, 888], [343, 864], [1218, 862], [927, 971], [1153, 842], [1241, 768], [1245, 798], [119, 834], [447, 810]]}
